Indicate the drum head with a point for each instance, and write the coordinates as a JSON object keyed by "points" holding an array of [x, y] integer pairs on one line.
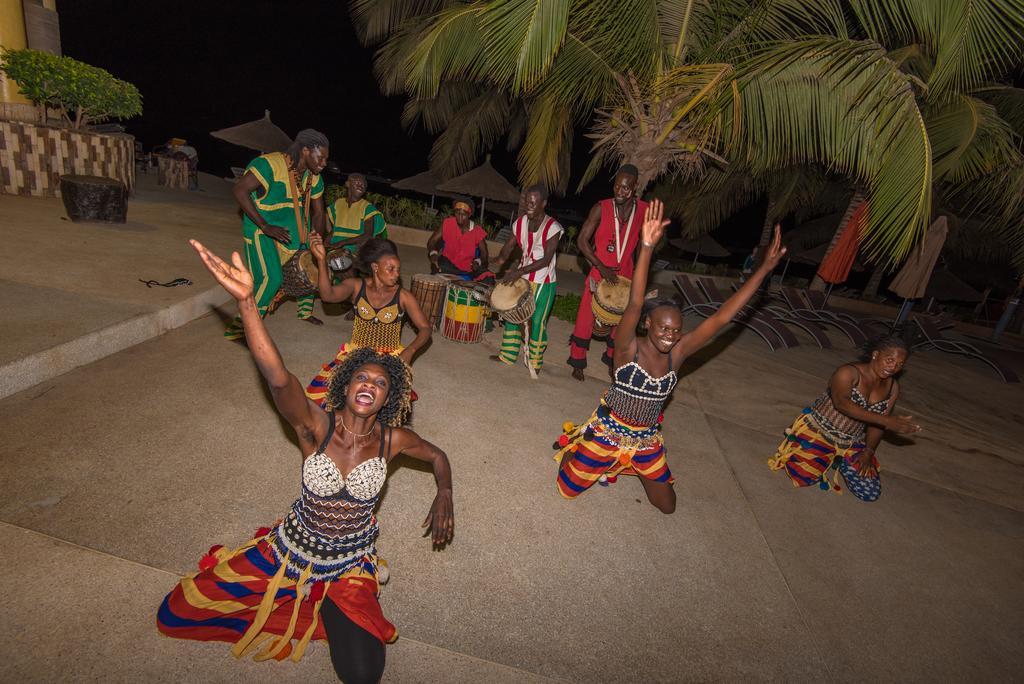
{"points": [[339, 260], [308, 265], [613, 297], [430, 278], [505, 297]]}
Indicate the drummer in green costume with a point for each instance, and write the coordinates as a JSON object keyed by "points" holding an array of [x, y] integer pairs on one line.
{"points": [[281, 196], [354, 220]]}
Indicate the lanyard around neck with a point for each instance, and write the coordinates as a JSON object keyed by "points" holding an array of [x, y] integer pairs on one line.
{"points": [[620, 244]]}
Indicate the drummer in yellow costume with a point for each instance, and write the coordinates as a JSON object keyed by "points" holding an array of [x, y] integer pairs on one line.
{"points": [[354, 220], [379, 303], [281, 196]]}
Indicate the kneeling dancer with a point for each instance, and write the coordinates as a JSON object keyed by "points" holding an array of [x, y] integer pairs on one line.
{"points": [[624, 434], [314, 575], [842, 428]]}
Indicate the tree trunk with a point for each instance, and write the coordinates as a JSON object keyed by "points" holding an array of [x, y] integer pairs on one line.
{"points": [[858, 197], [875, 282]]}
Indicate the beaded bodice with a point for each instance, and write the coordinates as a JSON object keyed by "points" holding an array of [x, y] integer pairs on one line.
{"points": [[332, 524], [377, 328], [839, 427], [638, 397]]}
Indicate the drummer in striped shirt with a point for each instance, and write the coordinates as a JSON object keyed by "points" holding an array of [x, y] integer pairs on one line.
{"points": [[536, 234]]}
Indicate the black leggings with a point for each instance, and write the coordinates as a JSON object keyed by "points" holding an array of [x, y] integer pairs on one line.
{"points": [[357, 655]]}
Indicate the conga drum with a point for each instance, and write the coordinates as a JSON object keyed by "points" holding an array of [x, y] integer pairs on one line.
{"points": [[429, 292], [464, 314], [513, 303], [610, 300], [299, 274]]}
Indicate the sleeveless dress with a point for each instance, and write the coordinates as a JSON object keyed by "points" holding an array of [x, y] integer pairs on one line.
{"points": [[623, 436], [268, 592], [380, 329], [823, 439]]}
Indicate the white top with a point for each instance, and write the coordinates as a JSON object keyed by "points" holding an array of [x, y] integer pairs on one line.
{"points": [[532, 244]]}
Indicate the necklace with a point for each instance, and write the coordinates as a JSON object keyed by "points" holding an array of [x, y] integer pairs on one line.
{"points": [[356, 434], [620, 244]]}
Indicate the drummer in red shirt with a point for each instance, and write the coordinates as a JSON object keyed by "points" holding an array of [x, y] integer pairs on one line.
{"points": [[459, 246], [608, 241]]}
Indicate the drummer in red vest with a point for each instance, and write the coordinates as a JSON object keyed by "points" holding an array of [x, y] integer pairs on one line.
{"points": [[608, 241], [459, 246]]}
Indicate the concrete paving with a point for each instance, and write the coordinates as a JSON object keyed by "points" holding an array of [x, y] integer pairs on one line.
{"points": [[119, 474]]}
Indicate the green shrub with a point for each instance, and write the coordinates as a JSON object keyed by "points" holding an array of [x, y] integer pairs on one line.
{"points": [[79, 90], [566, 306]]}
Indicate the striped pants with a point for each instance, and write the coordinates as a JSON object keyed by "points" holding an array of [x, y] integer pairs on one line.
{"points": [[512, 340], [264, 257]]}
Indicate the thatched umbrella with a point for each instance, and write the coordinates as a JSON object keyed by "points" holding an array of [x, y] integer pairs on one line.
{"points": [[705, 244], [424, 183], [483, 182], [261, 135]]}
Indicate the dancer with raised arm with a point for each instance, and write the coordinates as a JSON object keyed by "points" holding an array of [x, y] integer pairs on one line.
{"points": [[623, 436], [842, 428], [379, 303], [314, 574]]}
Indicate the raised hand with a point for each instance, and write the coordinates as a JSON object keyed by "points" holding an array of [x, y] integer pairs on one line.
{"points": [[233, 277], [904, 425], [441, 519], [316, 246], [654, 224], [775, 251]]}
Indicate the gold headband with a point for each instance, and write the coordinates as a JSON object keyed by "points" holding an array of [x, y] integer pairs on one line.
{"points": [[463, 205]]}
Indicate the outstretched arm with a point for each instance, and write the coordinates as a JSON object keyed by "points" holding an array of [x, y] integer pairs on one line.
{"points": [[733, 305], [840, 388], [289, 398], [419, 321], [329, 292], [650, 233], [441, 519]]}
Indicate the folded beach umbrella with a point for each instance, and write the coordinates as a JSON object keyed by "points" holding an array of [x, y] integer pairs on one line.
{"points": [[835, 268]]}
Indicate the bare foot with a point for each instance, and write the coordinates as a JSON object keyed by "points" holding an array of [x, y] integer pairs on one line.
{"points": [[495, 357], [577, 374], [275, 302], [314, 320]]}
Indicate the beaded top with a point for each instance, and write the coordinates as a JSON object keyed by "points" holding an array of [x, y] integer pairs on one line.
{"points": [[331, 524], [839, 427], [377, 328], [638, 397]]}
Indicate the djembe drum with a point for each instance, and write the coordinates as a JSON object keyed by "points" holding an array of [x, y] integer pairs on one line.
{"points": [[429, 291], [513, 303], [299, 274], [609, 301], [464, 313]]}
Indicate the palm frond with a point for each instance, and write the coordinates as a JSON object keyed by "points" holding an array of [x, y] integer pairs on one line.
{"points": [[970, 140], [473, 129], [375, 20], [846, 105], [544, 157], [523, 37]]}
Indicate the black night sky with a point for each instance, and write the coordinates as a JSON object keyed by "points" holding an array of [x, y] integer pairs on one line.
{"points": [[206, 65]]}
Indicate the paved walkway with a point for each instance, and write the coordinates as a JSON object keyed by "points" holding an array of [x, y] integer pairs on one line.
{"points": [[119, 474]]}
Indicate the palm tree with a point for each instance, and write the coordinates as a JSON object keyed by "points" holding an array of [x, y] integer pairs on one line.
{"points": [[888, 93]]}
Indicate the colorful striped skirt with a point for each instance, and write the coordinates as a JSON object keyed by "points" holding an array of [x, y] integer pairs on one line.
{"points": [[317, 389], [607, 445], [245, 598], [807, 455]]}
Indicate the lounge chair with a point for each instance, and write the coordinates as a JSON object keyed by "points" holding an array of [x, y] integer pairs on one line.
{"points": [[715, 296], [797, 308], [699, 304], [933, 339]]}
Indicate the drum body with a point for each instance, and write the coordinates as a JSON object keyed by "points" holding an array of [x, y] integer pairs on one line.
{"points": [[299, 274], [464, 314], [609, 301], [513, 303], [429, 291]]}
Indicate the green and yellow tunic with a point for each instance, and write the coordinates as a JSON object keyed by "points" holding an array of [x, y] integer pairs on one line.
{"points": [[285, 203], [348, 219]]}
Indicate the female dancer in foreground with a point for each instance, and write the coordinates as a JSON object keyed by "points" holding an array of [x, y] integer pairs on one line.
{"points": [[623, 435], [379, 304], [314, 574], [843, 427]]}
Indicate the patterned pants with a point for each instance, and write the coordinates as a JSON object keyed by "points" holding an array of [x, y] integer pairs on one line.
{"points": [[512, 340], [264, 257]]}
